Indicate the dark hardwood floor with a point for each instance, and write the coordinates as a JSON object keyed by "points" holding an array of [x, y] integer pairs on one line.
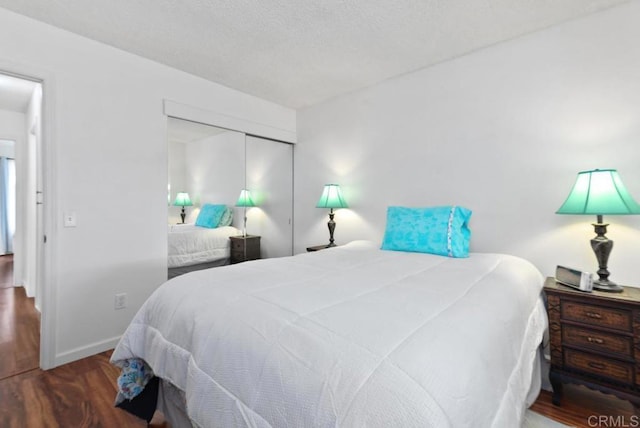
{"points": [[19, 332], [78, 394], [81, 394], [19, 325], [6, 271], [581, 407]]}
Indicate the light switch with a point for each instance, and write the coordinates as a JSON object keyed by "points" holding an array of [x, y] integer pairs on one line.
{"points": [[70, 219]]}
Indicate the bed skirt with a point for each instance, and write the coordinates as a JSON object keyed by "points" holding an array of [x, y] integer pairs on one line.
{"points": [[181, 270]]}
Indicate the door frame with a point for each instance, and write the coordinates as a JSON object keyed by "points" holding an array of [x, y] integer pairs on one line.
{"points": [[45, 266]]}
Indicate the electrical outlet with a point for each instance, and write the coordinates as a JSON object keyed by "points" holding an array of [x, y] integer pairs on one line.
{"points": [[120, 302], [70, 219]]}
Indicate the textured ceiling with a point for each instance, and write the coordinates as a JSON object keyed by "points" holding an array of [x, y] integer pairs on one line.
{"points": [[300, 52]]}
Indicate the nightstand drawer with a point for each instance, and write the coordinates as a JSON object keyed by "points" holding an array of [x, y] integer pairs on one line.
{"points": [[601, 316], [244, 248], [596, 340], [600, 366], [237, 254]]}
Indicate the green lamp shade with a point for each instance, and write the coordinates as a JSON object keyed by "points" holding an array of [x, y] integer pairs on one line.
{"points": [[244, 200], [182, 199], [332, 197], [599, 192]]}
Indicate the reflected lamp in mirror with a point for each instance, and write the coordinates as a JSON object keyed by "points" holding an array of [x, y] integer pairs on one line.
{"points": [[331, 198], [245, 201], [600, 192], [182, 200]]}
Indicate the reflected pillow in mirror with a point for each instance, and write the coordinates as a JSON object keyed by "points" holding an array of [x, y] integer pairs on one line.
{"points": [[210, 215], [436, 230], [227, 217]]}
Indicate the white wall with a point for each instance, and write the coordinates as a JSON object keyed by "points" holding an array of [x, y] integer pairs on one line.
{"points": [[110, 167], [12, 124], [7, 148], [503, 131]]}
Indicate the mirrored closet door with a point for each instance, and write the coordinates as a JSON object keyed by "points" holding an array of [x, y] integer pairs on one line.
{"points": [[206, 174], [270, 178], [219, 179], [207, 163]]}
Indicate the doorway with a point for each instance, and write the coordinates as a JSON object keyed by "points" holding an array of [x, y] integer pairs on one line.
{"points": [[7, 198], [7, 211], [20, 123]]}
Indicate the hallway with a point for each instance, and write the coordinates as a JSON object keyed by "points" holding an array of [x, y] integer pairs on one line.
{"points": [[6, 271], [19, 325]]}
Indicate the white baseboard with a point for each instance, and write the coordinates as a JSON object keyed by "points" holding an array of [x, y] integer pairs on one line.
{"points": [[85, 351]]}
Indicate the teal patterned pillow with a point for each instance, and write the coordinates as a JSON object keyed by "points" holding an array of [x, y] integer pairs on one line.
{"points": [[210, 215], [227, 217], [436, 230]]}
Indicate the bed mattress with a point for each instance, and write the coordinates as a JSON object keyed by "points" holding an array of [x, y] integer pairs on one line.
{"points": [[190, 244], [352, 336]]}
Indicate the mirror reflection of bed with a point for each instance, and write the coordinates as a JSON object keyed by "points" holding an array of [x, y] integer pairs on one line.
{"points": [[212, 166]]}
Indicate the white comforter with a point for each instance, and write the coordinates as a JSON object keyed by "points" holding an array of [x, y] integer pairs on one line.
{"points": [[190, 244], [352, 337]]}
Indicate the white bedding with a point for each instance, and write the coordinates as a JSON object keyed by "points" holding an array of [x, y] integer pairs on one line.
{"points": [[190, 244], [352, 336]]}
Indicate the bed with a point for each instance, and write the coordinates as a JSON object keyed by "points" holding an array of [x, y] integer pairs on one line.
{"points": [[194, 247], [351, 336]]}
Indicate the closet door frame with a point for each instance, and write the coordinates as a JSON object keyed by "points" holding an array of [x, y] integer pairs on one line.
{"points": [[195, 114]]}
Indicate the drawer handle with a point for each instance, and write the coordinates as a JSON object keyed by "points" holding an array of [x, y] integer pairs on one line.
{"points": [[598, 366], [594, 315], [595, 340]]}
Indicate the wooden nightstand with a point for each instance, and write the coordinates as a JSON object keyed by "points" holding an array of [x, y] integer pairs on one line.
{"points": [[595, 340], [319, 247], [244, 248]]}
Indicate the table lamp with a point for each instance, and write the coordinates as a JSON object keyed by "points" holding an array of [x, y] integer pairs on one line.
{"points": [[331, 198], [600, 192], [182, 199], [245, 201]]}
